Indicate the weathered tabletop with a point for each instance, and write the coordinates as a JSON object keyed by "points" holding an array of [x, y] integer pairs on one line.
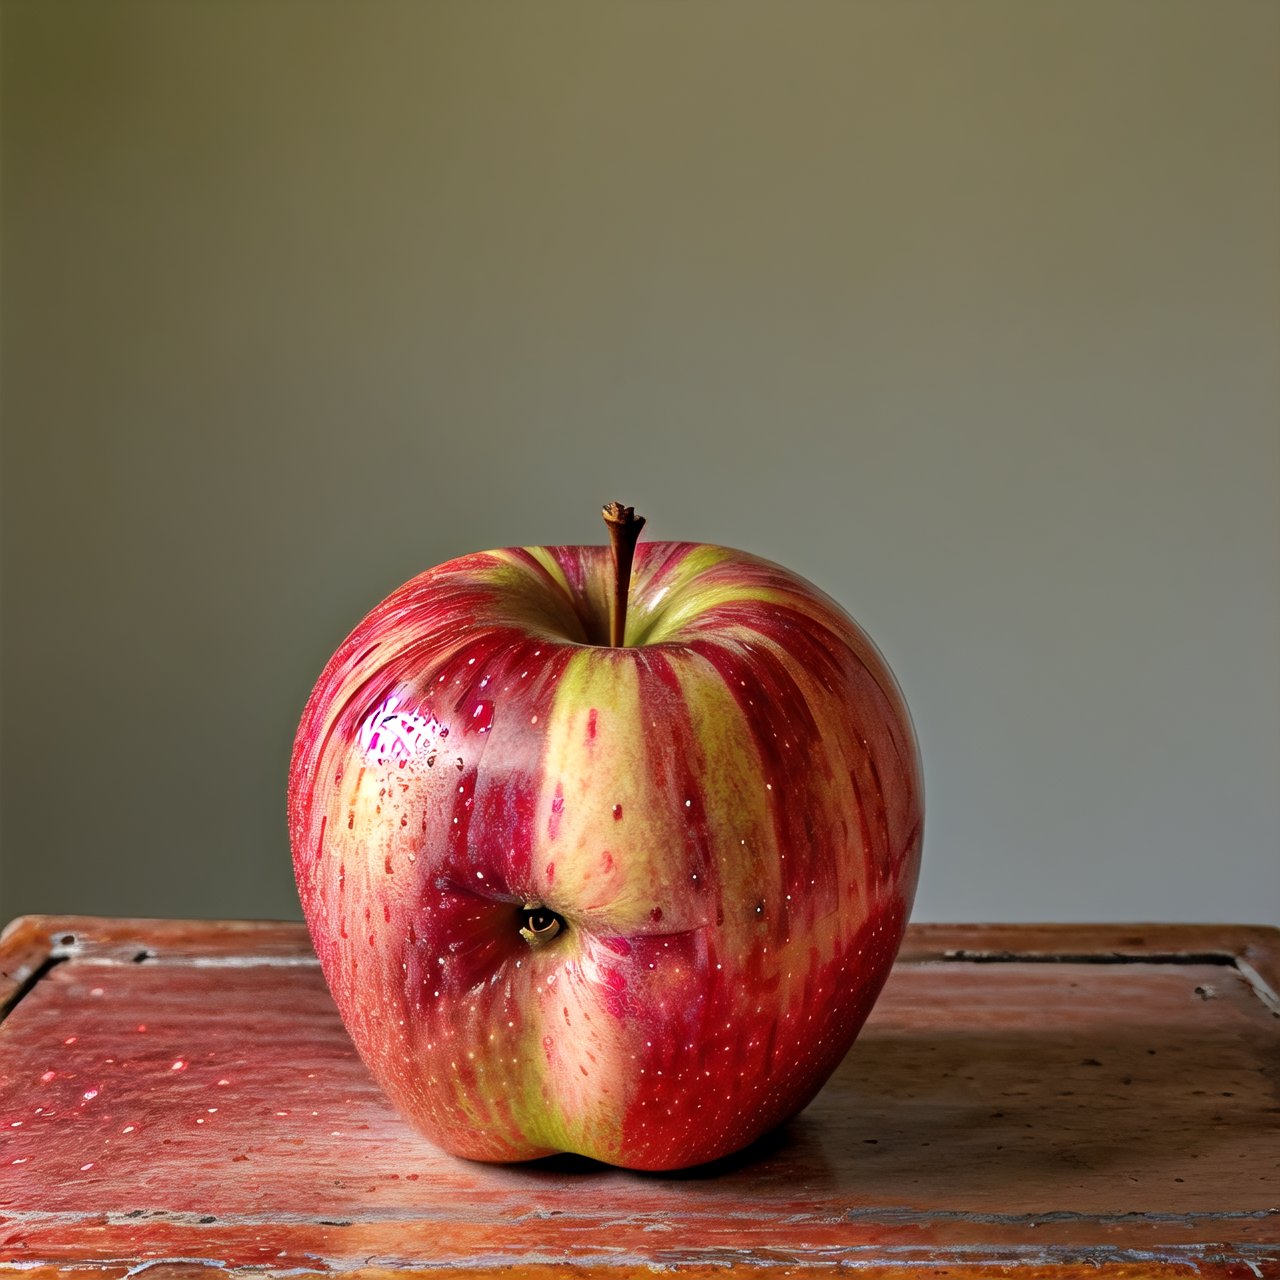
{"points": [[1043, 1100]]}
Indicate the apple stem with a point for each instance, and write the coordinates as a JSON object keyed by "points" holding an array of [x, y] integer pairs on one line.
{"points": [[624, 528]]}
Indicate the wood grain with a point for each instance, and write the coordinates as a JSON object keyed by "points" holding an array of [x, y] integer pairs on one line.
{"points": [[180, 1096]]}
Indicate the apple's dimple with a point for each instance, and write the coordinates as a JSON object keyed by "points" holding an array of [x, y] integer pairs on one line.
{"points": [[524, 970]]}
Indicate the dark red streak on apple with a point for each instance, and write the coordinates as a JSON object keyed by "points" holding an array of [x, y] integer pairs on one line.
{"points": [[715, 1013], [835, 664]]}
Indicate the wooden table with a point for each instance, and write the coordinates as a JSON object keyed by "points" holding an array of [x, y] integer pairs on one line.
{"points": [[180, 1096]]}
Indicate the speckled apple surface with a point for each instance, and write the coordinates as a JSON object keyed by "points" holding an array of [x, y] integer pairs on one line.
{"points": [[726, 813]]}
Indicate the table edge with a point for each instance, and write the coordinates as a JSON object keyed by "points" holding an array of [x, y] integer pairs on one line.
{"points": [[30, 944]]}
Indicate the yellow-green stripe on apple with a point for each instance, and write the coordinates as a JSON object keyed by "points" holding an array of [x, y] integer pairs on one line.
{"points": [[605, 850]]}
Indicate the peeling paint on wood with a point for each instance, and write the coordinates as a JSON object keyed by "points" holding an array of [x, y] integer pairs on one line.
{"points": [[178, 1099]]}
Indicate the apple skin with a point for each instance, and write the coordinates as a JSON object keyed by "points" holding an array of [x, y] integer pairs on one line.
{"points": [[727, 813]]}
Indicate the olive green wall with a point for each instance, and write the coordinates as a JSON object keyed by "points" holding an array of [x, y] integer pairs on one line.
{"points": [[969, 311]]}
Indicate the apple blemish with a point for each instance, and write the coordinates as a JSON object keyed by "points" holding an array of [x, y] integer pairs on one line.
{"points": [[538, 924]]}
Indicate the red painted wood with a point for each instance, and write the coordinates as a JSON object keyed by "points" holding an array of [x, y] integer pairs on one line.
{"points": [[176, 1091]]}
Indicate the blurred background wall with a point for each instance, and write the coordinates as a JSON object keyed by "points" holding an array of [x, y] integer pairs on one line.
{"points": [[969, 312]]}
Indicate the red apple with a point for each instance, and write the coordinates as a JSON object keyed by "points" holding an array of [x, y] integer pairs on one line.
{"points": [[630, 900]]}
